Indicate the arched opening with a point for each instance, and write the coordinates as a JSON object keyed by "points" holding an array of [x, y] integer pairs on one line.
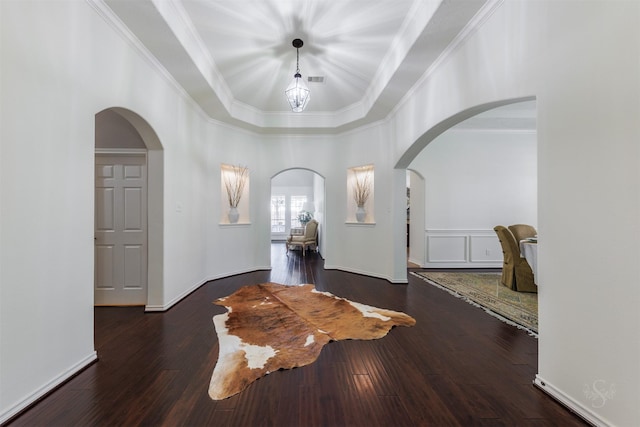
{"points": [[447, 124], [479, 169], [122, 133], [293, 192]]}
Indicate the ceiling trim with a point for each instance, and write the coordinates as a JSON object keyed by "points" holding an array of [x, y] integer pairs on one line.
{"points": [[114, 21], [187, 39], [226, 110], [485, 12], [178, 20], [419, 17], [109, 16], [182, 27]]}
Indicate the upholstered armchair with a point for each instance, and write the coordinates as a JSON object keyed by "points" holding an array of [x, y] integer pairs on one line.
{"points": [[516, 272], [522, 231], [307, 240]]}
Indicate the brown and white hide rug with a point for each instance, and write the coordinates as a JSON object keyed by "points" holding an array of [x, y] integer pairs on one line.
{"points": [[271, 326]]}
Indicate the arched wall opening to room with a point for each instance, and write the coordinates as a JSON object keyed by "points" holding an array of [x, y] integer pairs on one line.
{"points": [[480, 170], [294, 191], [120, 132]]}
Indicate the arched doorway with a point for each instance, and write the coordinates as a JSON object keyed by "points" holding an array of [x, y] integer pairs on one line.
{"points": [[293, 191], [121, 133], [447, 124], [471, 168]]}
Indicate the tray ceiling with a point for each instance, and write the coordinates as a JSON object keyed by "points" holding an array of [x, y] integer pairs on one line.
{"points": [[234, 58]]}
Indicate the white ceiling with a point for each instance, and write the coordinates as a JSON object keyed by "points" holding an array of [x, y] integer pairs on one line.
{"points": [[344, 41], [234, 57]]}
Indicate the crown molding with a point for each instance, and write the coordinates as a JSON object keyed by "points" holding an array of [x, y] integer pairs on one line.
{"points": [[478, 20], [114, 21], [418, 18], [178, 20], [111, 19], [239, 115]]}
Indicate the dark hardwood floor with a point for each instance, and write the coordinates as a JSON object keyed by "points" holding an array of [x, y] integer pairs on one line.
{"points": [[457, 367]]}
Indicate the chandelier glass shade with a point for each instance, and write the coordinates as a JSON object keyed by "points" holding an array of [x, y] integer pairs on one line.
{"points": [[297, 92]]}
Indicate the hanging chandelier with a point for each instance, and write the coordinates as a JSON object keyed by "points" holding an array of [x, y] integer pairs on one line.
{"points": [[297, 92]]}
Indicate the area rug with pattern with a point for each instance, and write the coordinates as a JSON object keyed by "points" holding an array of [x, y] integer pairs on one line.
{"points": [[486, 291], [271, 326]]}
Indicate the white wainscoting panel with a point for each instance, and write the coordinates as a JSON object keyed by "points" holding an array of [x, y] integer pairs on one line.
{"points": [[462, 249], [484, 249], [446, 249]]}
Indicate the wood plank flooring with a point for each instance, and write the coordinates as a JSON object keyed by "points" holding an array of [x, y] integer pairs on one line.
{"points": [[457, 367]]}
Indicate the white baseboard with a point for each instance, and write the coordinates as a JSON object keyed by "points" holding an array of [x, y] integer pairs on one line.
{"points": [[416, 262], [159, 308], [579, 409], [47, 387], [174, 301], [462, 265], [366, 273], [234, 273]]}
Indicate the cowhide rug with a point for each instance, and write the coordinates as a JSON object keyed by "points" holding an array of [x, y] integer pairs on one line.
{"points": [[271, 326]]}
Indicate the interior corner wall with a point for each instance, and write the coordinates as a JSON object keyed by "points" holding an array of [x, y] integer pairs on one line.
{"points": [[580, 61], [226, 241], [346, 240]]}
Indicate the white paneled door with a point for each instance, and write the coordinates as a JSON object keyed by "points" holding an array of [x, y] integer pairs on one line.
{"points": [[120, 230]]}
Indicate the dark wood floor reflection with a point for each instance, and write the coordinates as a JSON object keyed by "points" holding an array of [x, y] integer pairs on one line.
{"points": [[456, 367]]}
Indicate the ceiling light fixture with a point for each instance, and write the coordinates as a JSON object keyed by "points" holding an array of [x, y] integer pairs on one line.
{"points": [[297, 92]]}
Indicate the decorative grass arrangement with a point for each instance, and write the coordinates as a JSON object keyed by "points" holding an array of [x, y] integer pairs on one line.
{"points": [[362, 186], [235, 179]]}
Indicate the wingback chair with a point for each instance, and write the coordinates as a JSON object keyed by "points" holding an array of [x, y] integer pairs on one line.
{"points": [[522, 231], [516, 272], [308, 240]]}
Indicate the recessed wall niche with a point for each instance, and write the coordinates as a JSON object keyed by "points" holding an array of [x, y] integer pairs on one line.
{"points": [[360, 191], [234, 194]]}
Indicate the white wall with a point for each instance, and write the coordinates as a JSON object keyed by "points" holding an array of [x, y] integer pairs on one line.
{"points": [[46, 226], [114, 132], [580, 61], [347, 240], [417, 219], [318, 205], [62, 63], [475, 180], [233, 249]]}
